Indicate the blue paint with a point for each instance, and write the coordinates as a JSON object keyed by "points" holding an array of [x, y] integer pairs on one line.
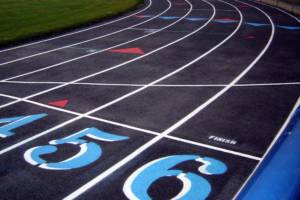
{"points": [[290, 27], [16, 122], [278, 177], [225, 21], [196, 18], [256, 24], [138, 184], [169, 17], [89, 151]]}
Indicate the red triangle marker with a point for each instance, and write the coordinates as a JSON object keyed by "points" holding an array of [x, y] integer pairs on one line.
{"points": [[129, 50], [60, 103]]}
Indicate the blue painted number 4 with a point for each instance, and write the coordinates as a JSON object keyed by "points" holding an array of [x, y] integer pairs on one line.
{"points": [[16, 122], [89, 151]]}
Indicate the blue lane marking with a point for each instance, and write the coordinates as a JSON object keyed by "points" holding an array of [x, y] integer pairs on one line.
{"points": [[196, 18], [290, 27], [256, 24], [227, 21], [278, 175], [169, 17]]}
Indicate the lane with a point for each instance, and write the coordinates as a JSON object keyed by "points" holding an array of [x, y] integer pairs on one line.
{"points": [[57, 57], [42, 45]]}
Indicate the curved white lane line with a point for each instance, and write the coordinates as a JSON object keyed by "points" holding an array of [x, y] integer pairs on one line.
{"points": [[80, 31], [86, 41]]}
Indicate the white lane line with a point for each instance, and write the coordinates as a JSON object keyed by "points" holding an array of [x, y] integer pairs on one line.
{"points": [[156, 85], [280, 132], [281, 10], [80, 31], [88, 113], [136, 129], [135, 153], [236, 153], [87, 55], [86, 41]]}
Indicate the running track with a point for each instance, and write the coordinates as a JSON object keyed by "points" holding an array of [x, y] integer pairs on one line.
{"points": [[205, 83]]}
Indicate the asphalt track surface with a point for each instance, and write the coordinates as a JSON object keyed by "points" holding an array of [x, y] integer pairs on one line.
{"points": [[205, 79]]}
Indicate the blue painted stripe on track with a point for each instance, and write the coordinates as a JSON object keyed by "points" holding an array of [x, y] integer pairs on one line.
{"points": [[278, 177], [225, 21]]}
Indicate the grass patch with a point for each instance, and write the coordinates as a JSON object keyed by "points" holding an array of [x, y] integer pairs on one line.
{"points": [[23, 19]]}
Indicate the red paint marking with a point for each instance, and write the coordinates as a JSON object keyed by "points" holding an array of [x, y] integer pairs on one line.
{"points": [[250, 37], [179, 4], [129, 50], [60, 103], [139, 16]]}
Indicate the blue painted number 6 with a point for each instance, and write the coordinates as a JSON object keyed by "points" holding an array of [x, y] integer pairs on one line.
{"points": [[89, 151], [194, 186]]}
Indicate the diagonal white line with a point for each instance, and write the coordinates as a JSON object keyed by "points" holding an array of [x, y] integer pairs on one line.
{"points": [[156, 85]]}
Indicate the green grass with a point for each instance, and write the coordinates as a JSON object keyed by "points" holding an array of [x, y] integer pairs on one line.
{"points": [[22, 19]]}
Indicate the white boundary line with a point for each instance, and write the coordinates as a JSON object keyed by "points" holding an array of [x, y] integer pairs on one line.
{"points": [[157, 85], [134, 128], [280, 132], [141, 149], [86, 41], [80, 31]]}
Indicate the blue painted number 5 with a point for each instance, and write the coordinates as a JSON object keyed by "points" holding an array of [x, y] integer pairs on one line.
{"points": [[89, 151]]}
